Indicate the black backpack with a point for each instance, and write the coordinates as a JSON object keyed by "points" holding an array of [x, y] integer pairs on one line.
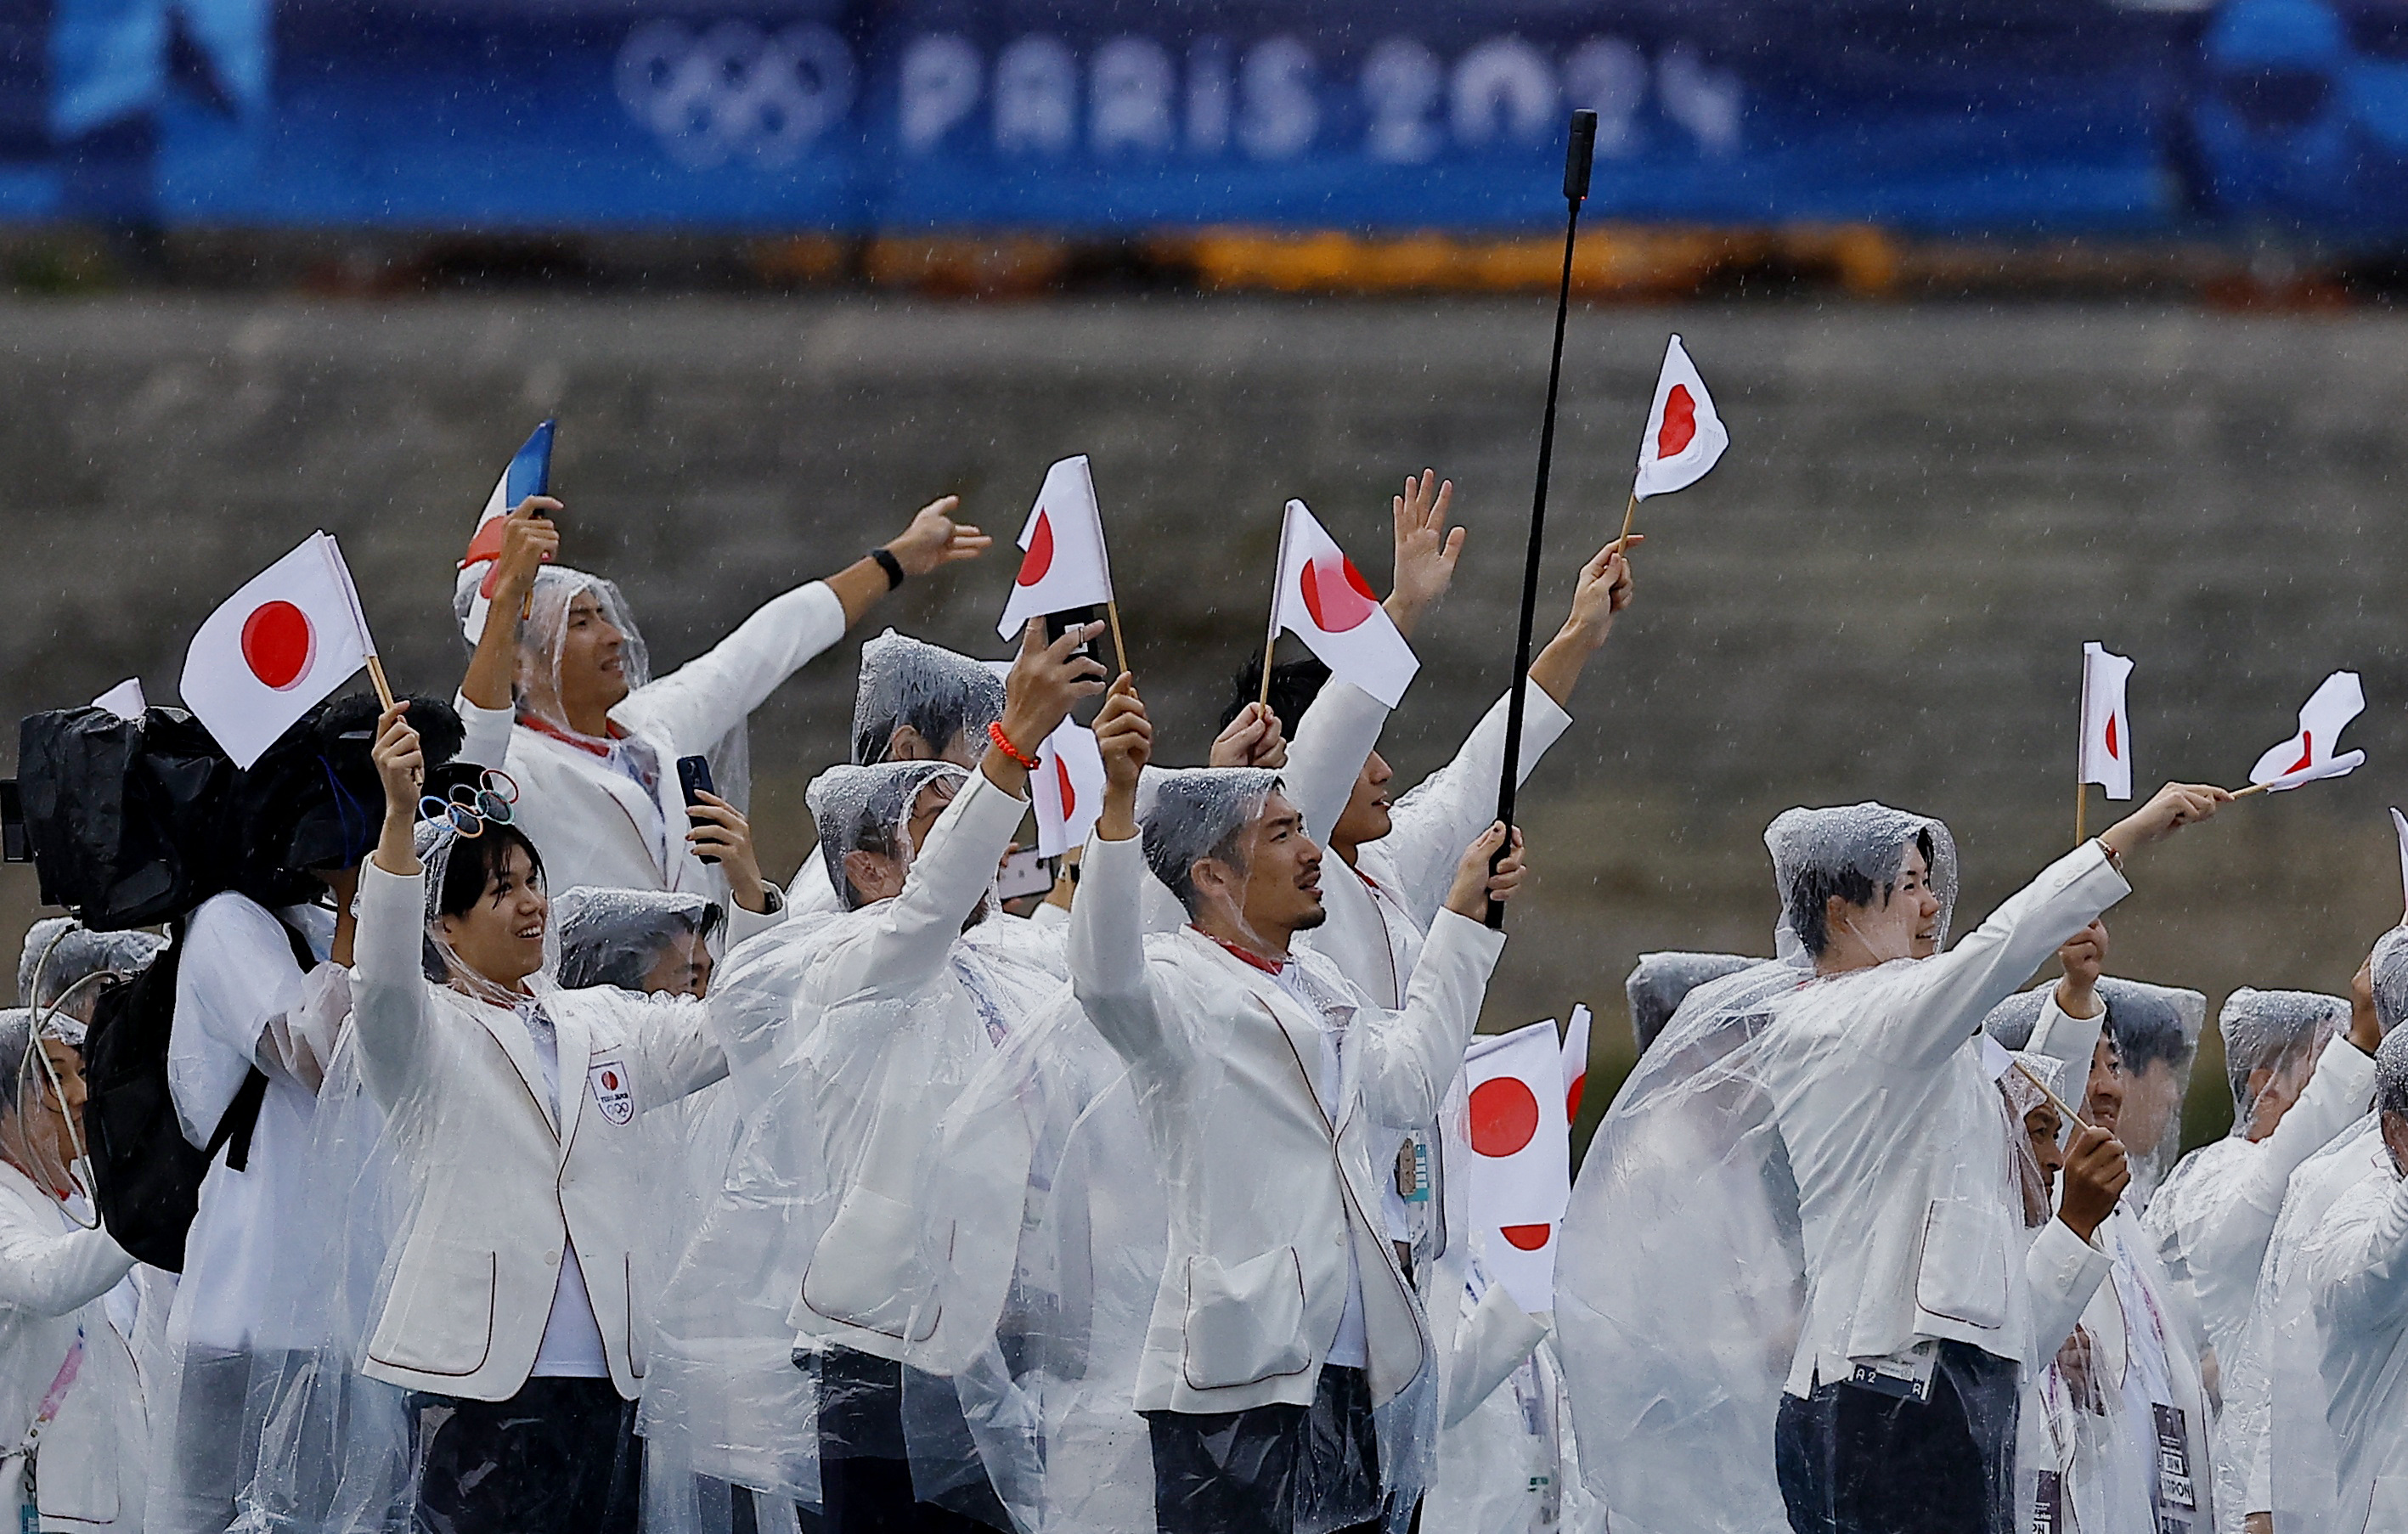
{"points": [[146, 1175], [123, 816]]}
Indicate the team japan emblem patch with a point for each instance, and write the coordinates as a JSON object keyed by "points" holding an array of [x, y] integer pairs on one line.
{"points": [[609, 1082]]}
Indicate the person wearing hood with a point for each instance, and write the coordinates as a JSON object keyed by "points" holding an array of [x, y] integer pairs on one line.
{"points": [[72, 1431], [1286, 1380], [514, 1308], [260, 991], [649, 941], [2301, 1068], [915, 702], [68, 966], [912, 999], [594, 739], [1901, 1399], [2355, 1266]]}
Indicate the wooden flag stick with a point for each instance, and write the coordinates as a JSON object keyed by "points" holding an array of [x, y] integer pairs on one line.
{"points": [[2081, 811], [1268, 641], [1119, 651], [2064, 1109], [376, 674], [2252, 788], [1629, 515]]}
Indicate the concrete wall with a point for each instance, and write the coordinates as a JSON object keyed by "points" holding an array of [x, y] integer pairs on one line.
{"points": [[1881, 593]]}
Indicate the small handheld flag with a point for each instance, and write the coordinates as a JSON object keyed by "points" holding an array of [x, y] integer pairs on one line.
{"points": [[529, 473], [276, 649], [2399, 824], [1068, 788], [2104, 754], [1575, 1060], [1063, 564], [1684, 437], [2309, 754], [1323, 601], [1521, 1154]]}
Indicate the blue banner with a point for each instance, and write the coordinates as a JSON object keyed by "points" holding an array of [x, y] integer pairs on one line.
{"points": [[1113, 117]]}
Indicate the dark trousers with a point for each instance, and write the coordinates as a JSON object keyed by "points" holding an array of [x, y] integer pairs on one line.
{"points": [[1268, 1468], [866, 1459], [1858, 1461], [559, 1457]]}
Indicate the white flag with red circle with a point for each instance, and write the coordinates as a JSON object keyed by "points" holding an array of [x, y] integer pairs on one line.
{"points": [[1575, 1061], [1685, 436], [1521, 1142], [273, 650], [529, 473], [2106, 755], [1062, 561], [1323, 601], [2309, 754], [1068, 788]]}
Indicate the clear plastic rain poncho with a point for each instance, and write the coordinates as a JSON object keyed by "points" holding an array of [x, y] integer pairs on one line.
{"points": [[2274, 1376], [947, 698], [2156, 1029], [606, 937], [62, 954], [815, 1227], [1675, 1383], [1659, 984]]}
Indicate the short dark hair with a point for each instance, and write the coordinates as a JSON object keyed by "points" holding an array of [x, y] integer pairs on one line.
{"points": [[2143, 1029], [1293, 686], [625, 964], [476, 862], [1813, 888]]}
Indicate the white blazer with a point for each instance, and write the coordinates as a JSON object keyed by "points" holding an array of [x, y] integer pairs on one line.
{"points": [[1910, 1219], [592, 822], [1265, 1192], [2355, 1263], [497, 1189], [53, 1279]]}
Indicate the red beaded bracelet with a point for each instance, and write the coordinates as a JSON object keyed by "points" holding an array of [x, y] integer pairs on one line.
{"points": [[1003, 743]]}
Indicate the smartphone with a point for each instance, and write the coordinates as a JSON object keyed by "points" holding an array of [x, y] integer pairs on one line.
{"points": [[693, 779], [1023, 874], [1059, 624], [15, 845]]}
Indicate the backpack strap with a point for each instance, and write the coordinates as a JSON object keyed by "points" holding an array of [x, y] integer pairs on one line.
{"points": [[233, 1133]]}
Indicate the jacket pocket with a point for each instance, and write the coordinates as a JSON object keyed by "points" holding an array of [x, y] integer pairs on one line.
{"points": [[1962, 1273], [1246, 1321], [866, 1271], [440, 1316]]}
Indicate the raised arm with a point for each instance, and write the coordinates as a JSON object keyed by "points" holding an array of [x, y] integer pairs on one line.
{"points": [[711, 695], [2356, 1261], [1107, 941], [388, 986], [529, 541], [1410, 1056], [916, 929], [1944, 999]]}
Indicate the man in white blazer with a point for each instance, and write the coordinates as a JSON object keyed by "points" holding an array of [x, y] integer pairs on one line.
{"points": [[1900, 1406], [514, 1307], [593, 744], [1282, 1322]]}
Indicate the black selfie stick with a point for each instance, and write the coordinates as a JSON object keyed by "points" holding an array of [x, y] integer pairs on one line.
{"points": [[1577, 156]]}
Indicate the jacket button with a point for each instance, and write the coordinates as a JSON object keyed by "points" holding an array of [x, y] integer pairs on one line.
{"points": [[551, 1255]]}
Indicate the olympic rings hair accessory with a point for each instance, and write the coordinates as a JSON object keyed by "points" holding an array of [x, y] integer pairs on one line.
{"points": [[471, 803]]}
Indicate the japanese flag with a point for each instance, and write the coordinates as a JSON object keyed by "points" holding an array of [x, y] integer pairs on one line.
{"points": [[2106, 751], [1068, 788], [1521, 1142], [124, 700], [1575, 1061], [1062, 563], [1323, 601], [1683, 436], [2309, 754], [529, 474], [2399, 824], [275, 649]]}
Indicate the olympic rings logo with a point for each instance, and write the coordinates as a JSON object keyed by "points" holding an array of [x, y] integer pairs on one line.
{"points": [[733, 92]]}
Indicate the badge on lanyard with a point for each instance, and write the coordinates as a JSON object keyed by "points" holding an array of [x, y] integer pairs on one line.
{"points": [[607, 1079], [1413, 1172], [2048, 1504], [1904, 1375], [2174, 1489]]}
